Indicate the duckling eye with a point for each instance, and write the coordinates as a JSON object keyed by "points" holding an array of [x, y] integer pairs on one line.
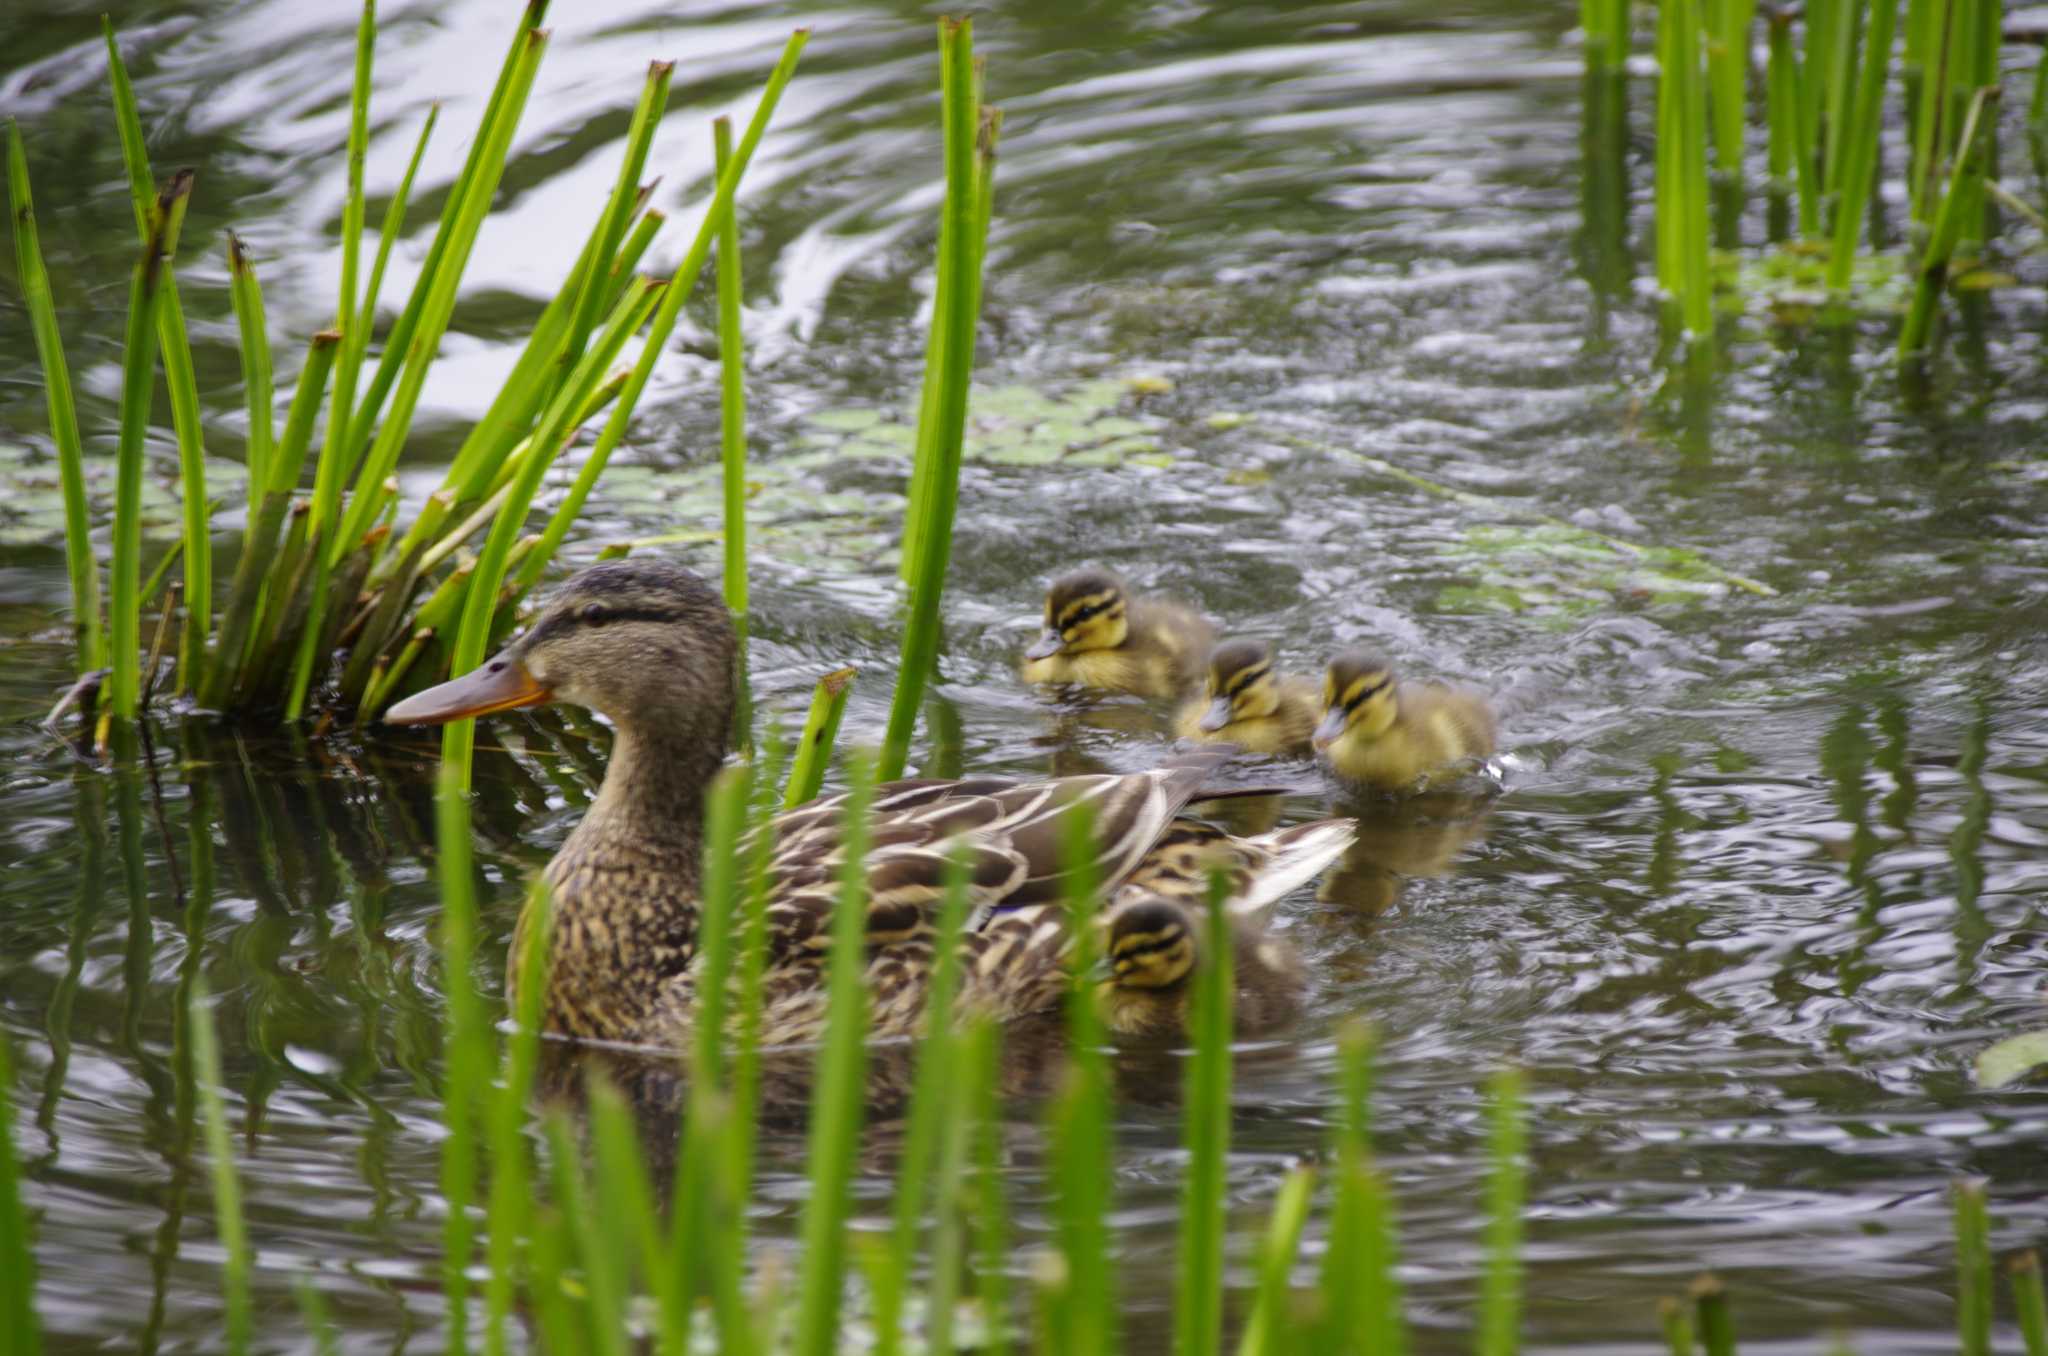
{"points": [[596, 614]]}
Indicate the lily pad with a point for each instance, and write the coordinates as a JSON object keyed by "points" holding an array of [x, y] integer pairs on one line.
{"points": [[1089, 423], [1567, 571], [2012, 1059]]}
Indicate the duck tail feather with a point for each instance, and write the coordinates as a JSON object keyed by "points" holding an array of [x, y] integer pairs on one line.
{"points": [[1297, 855]]}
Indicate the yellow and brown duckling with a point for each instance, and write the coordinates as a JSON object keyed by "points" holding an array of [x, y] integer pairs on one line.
{"points": [[1246, 703], [1099, 636], [1154, 952], [1394, 735], [650, 646]]}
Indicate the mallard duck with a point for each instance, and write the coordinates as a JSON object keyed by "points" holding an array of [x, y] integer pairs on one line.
{"points": [[1153, 952], [1393, 735], [1097, 635], [650, 646], [1245, 703]]}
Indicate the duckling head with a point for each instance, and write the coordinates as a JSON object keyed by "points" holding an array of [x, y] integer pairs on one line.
{"points": [[1085, 610], [1358, 698], [1151, 943], [641, 641], [1240, 685]]}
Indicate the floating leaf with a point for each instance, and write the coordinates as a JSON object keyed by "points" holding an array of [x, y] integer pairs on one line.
{"points": [[2012, 1059]]}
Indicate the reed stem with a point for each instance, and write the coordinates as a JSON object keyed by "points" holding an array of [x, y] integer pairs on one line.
{"points": [[1973, 1269], [88, 629], [1205, 1134], [969, 150], [821, 728], [17, 1256], [1500, 1298], [227, 1190]]}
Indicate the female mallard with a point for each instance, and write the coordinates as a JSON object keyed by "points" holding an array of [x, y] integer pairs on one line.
{"points": [[1153, 951], [650, 646], [1247, 704], [1096, 635], [1392, 735]]}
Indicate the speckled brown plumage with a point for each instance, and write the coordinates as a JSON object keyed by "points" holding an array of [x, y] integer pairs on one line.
{"points": [[649, 645]]}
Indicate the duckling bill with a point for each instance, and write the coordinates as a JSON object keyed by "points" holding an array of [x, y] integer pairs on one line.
{"points": [[1244, 702], [1098, 636], [1393, 735]]}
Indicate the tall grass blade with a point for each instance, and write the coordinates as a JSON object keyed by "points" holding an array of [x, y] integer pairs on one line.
{"points": [[470, 642], [86, 623], [984, 1052], [138, 363], [269, 504], [937, 482], [837, 1102], [258, 386], [313, 1309], [179, 379], [2029, 1303], [1205, 1134], [1931, 276], [732, 418], [1682, 207], [1790, 139], [932, 1114], [510, 1216], [1973, 1269], [1716, 1324], [17, 1258], [1677, 1326], [227, 1191], [387, 236], [1269, 1330], [1859, 152], [821, 729], [1361, 1300], [1500, 1296], [1083, 1306], [467, 1048], [347, 317]]}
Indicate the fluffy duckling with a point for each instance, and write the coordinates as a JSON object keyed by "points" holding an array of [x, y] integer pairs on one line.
{"points": [[1247, 704], [1153, 952], [1392, 735], [1098, 636]]}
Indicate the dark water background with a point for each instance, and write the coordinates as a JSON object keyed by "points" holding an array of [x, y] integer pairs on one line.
{"points": [[1770, 870]]}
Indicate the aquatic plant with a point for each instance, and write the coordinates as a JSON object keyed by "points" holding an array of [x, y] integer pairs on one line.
{"points": [[1827, 82], [334, 603]]}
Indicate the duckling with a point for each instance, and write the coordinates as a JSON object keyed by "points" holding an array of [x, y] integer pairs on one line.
{"points": [[650, 646], [1153, 952], [1245, 703], [1393, 735], [1098, 636]]}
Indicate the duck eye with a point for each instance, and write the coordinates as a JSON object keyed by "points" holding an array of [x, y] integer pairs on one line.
{"points": [[595, 614]]}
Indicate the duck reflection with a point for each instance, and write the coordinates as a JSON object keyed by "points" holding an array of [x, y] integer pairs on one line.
{"points": [[1399, 841]]}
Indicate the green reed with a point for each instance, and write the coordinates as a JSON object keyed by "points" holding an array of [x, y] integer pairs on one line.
{"points": [[1360, 1311], [836, 1107], [35, 285], [821, 728], [466, 1047], [17, 1258], [1500, 1296], [1712, 1319], [970, 136], [1973, 1268], [2029, 1301], [335, 602], [227, 1190], [1198, 1314], [1682, 204]]}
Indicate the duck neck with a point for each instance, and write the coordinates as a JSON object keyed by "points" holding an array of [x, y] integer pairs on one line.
{"points": [[653, 792], [624, 889]]}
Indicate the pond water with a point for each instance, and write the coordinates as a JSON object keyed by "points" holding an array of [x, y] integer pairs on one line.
{"points": [[1769, 870]]}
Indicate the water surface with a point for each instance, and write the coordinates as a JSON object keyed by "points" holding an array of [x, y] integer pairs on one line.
{"points": [[1769, 871]]}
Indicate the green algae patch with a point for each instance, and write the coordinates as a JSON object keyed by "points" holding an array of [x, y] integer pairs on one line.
{"points": [[1557, 570], [1089, 423]]}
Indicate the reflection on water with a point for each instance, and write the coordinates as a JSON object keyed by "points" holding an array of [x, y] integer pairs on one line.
{"points": [[1767, 873]]}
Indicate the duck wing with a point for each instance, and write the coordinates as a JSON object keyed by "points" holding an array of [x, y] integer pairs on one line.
{"points": [[1009, 831]]}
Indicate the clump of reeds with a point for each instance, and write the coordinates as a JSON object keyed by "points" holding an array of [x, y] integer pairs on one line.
{"points": [[335, 603], [1827, 79]]}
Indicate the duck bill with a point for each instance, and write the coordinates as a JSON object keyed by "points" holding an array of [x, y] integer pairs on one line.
{"points": [[501, 685], [1216, 717], [1046, 646], [1331, 728]]}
